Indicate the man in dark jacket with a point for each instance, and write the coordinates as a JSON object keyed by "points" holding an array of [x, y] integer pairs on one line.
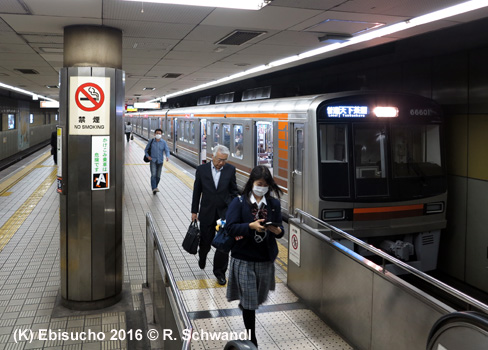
{"points": [[54, 146], [215, 183]]}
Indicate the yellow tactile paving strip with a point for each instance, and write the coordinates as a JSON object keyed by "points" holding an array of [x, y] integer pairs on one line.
{"points": [[282, 258], [204, 284], [13, 180], [18, 218]]}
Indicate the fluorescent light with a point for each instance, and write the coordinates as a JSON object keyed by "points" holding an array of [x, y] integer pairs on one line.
{"points": [[25, 92], [147, 105], [370, 35], [233, 4], [449, 12], [49, 104], [284, 61]]}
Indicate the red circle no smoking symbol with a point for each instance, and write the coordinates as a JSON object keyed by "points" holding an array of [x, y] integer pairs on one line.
{"points": [[294, 241], [89, 97]]}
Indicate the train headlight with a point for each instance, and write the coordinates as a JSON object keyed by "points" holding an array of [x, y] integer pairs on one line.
{"points": [[434, 208], [386, 112]]}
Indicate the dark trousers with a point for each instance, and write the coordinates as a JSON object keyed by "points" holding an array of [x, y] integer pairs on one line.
{"points": [[221, 260], [127, 135]]}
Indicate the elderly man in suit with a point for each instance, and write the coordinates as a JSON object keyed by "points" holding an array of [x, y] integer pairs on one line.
{"points": [[214, 188]]}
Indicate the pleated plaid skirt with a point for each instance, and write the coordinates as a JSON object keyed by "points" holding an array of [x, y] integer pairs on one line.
{"points": [[250, 282]]}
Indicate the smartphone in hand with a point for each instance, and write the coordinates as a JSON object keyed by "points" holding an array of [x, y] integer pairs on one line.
{"points": [[269, 223]]}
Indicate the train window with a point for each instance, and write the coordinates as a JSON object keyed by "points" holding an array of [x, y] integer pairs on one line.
{"points": [[181, 131], [369, 151], [216, 136], [238, 144], [187, 131], [299, 149], [226, 135], [264, 136], [333, 141], [192, 133], [416, 151]]}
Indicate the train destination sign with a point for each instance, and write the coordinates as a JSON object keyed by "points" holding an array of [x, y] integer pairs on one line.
{"points": [[89, 106], [347, 111]]}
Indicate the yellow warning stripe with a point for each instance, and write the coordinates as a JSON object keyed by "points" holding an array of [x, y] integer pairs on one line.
{"points": [[18, 218], [16, 178], [205, 284]]}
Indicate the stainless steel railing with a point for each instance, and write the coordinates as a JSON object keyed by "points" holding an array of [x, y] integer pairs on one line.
{"points": [[446, 288], [170, 310]]}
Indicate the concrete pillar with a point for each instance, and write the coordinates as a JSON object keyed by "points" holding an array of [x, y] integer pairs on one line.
{"points": [[90, 175]]}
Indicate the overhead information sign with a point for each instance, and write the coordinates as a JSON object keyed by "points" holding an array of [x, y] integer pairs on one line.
{"points": [[89, 106]]}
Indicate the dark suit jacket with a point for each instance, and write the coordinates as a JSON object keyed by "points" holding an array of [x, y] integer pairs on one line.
{"points": [[213, 201]]}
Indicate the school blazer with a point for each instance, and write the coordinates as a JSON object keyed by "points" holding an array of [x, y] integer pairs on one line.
{"points": [[239, 216], [209, 201]]}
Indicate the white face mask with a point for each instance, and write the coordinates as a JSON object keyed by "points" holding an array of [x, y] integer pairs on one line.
{"points": [[260, 190], [158, 136]]}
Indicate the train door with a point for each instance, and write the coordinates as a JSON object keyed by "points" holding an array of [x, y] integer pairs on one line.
{"points": [[298, 152], [264, 144], [203, 141]]}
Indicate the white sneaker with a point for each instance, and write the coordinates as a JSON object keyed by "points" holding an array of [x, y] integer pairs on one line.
{"points": [[156, 190]]}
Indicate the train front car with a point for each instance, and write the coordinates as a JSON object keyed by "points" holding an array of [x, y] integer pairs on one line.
{"points": [[381, 172]]}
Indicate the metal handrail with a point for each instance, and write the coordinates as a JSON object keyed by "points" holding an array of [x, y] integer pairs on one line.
{"points": [[441, 285], [183, 313]]}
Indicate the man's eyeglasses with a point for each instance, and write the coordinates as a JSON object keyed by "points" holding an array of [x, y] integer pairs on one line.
{"points": [[219, 160]]}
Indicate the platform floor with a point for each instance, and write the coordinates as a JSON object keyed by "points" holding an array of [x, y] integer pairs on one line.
{"points": [[29, 267]]}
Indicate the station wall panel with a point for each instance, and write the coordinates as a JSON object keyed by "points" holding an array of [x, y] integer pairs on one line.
{"points": [[457, 145], [477, 147], [476, 238]]}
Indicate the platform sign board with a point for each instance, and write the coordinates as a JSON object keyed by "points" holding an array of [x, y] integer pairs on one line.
{"points": [[294, 245], [89, 106], [100, 163]]}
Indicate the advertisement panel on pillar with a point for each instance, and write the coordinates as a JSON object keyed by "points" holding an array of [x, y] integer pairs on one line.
{"points": [[59, 144], [100, 162], [89, 106]]}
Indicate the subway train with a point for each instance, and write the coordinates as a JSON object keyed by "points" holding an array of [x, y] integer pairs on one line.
{"points": [[369, 163], [24, 127]]}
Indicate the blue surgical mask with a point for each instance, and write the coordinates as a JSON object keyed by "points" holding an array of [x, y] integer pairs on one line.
{"points": [[260, 190]]}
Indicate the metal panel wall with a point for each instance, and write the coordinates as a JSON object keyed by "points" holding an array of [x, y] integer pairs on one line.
{"points": [[402, 318], [370, 309]]}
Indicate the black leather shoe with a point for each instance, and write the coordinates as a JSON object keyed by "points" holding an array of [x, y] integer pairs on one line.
{"points": [[222, 281], [201, 263]]}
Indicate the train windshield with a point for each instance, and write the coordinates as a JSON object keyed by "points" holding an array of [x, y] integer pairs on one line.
{"points": [[416, 151], [382, 160]]}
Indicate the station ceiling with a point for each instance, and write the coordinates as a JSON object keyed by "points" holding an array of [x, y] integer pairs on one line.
{"points": [[173, 47]]}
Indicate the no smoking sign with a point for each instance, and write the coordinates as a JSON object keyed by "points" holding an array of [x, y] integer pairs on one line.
{"points": [[89, 106], [89, 97]]}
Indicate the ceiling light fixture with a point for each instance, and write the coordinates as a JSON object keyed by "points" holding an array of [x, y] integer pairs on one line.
{"points": [[370, 35], [233, 4], [25, 92]]}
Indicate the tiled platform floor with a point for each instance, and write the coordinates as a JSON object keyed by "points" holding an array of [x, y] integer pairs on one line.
{"points": [[29, 267]]}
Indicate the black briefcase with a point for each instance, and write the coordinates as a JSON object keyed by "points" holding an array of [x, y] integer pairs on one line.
{"points": [[192, 238]]}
